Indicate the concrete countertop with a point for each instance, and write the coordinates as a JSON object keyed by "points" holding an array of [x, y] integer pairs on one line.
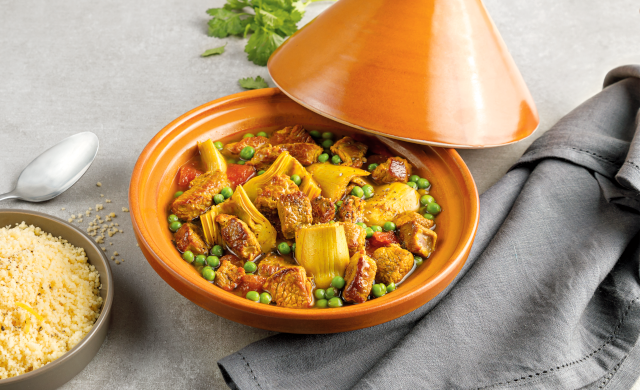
{"points": [[124, 70]]}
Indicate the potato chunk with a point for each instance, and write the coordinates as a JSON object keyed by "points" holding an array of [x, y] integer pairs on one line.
{"points": [[359, 278], [393, 263], [290, 287]]}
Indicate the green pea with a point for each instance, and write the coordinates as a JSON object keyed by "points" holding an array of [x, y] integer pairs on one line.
{"points": [[260, 172], [331, 292], [177, 194], [284, 248], [296, 179], [389, 226], [391, 287], [250, 267], [253, 296], [265, 298], [335, 160], [315, 134], [219, 145], [247, 153], [216, 251], [423, 183], [173, 218], [369, 232], [434, 208], [383, 287], [339, 203], [321, 303], [227, 192], [368, 191], [372, 167], [335, 302], [377, 290], [418, 260], [174, 226], [240, 162], [362, 225], [188, 257], [327, 135], [426, 199], [414, 178], [338, 282], [428, 216], [208, 273], [248, 135], [324, 157], [357, 192], [412, 185], [293, 247], [219, 198], [200, 260], [262, 134], [213, 261], [327, 143], [331, 222], [320, 293], [376, 228]]}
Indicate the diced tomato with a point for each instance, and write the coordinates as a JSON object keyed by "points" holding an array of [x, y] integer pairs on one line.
{"points": [[239, 174], [379, 240], [251, 283], [186, 174]]}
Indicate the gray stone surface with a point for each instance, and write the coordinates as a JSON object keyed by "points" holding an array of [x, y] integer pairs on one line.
{"points": [[125, 69]]}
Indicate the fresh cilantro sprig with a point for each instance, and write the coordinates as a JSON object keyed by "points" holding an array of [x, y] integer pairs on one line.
{"points": [[214, 51], [269, 22], [250, 83]]}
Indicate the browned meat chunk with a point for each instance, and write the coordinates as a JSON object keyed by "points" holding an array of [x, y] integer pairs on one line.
{"points": [[251, 283], [352, 210], [238, 237], [350, 151], [233, 149], [323, 210], [393, 263], [356, 237], [189, 238], [306, 154], [392, 170], [294, 209], [233, 259], [290, 287], [199, 197], [291, 135], [359, 277], [267, 199], [228, 276], [272, 264], [415, 233]]}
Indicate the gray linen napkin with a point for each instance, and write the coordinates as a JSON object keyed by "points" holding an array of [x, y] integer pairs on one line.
{"points": [[549, 297]]}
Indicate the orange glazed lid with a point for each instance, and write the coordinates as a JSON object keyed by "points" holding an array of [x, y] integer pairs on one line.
{"points": [[425, 71]]}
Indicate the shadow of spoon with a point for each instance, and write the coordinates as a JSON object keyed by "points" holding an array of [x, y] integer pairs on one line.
{"points": [[55, 170]]}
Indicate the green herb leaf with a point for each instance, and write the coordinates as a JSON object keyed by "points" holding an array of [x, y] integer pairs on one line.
{"points": [[251, 83], [261, 44], [238, 5], [214, 51], [225, 22]]}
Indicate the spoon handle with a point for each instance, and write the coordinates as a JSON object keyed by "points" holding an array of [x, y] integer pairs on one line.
{"points": [[8, 195]]}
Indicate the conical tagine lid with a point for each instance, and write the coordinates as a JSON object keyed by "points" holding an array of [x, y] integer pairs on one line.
{"points": [[426, 71]]}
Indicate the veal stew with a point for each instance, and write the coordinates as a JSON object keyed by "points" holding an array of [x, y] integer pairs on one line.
{"points": [[303, 219]]}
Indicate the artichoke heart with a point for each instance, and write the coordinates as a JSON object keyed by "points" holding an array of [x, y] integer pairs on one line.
{"points": [[211, 156], [323, 251], [240, 206], [389, 201], [334, 179], [285, 164]]}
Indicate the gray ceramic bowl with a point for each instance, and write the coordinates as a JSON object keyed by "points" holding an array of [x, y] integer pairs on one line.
{"points": [[61, 370]]}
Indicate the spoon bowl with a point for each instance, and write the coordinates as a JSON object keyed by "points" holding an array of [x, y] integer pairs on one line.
{"points": [[57, 169]]}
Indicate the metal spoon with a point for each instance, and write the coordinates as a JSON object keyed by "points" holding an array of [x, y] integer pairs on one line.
{"points": [[57, 169]]}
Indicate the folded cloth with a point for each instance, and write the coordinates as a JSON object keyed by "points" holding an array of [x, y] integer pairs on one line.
{"points": [[549, 297]]}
